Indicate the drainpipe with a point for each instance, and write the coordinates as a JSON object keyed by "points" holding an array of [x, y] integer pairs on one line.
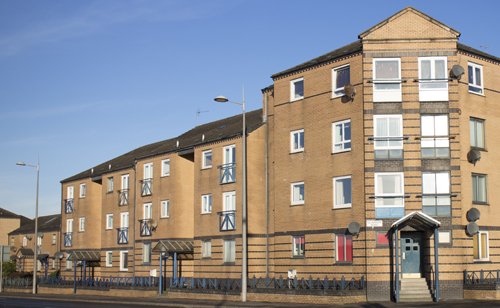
{"points": [[267, 188], [133, 220]]}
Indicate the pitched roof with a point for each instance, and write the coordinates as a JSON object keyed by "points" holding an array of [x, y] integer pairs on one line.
{"points": [[477, 52], [219, 130], [45, 224]]}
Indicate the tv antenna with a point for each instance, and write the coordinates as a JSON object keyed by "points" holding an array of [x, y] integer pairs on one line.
{"points": [[197, 113], [485, 47]]}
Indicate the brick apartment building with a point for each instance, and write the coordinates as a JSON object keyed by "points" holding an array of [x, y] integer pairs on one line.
{"points": [[370, 160]]}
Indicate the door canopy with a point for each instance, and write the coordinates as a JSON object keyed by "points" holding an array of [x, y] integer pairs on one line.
{"points": [[417, 220]]}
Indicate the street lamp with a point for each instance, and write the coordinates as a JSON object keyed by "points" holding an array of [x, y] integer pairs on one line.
{"points": [[36, 219], [244, 270]]}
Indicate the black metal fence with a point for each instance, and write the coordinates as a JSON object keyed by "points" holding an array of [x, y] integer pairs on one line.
{"points": [[481, 277]]}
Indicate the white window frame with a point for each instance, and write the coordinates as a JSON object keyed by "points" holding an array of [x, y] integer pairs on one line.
{"points": [[148, 210], [165, 167], [479, 244], [430, 130], [397, 143], [336, 192], [300, 137], [206, 249], [69, 264], [473, 131], [109, 258], [53, 263], [401, 194], [83, 187], [477, 187], [338, 92], [386, 95], [81, 224], [229, 250], [25, 241], [206, 204], [111, 184], [146, 253], [293, 94], [345, 144], [70, 192], [298, 250], [436, 186], [109, 221], [429, 94], [69, 225], [123, 260], [148, 171], [297, 184], [474, 77], [165, 208], [204, 164]]}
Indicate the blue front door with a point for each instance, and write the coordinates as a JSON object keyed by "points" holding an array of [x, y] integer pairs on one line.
{"points": [[411, 247]]}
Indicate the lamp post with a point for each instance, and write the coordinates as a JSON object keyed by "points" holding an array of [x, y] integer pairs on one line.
{"points": [[244, 269], [36, 219]]}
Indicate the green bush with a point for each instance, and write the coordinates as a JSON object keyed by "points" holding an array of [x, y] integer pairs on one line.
{"points": [[54, 274], [8, 268]]}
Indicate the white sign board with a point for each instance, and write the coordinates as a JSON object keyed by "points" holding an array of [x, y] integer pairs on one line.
{"points": [[374, 223]]}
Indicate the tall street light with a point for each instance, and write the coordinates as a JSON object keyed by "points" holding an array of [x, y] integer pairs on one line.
{"points": [[36, 220], [244, 270]]}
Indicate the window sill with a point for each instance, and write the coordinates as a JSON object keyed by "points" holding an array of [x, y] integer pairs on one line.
{"points": [[146, 263], [299, 257], [297, 151], [228, 264], [164, 217], [205, 213], [296, 99], [480, 94], [341, 207], [109, 266], [206, 258], [482, 261], [478, 149], [206, 168], [165, 175], [337, 96], [297, 204], [343, 263], [434, 158], [480, 203], [110, 229], [124, 270], [343, 151], [109, 192]]}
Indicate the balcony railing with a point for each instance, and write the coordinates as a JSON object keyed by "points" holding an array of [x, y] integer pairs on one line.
{"points": [[146, 187], [123, 197], [68, 206], [227, 220], [227, 173], [68, 239], [122, 235], [145, 229]]}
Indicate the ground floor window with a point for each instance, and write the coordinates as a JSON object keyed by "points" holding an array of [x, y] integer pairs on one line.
{"points": [[481, 247], [229, 251], [343, 248], [298, 246], [123, 260]]}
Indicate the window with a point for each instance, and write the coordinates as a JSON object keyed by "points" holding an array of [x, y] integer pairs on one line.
{"points": [[124, 191], [477, 133], [53, 263], [165, 167], [387, 80], [342, 136], [297, 141], [342, 192], [69, 263], [227, 172], [388, 131], [229, 251], [343, 248], [206, 249], [433, 81], [110, 184], [297, 89], [481, 247], [69, 225], [206, 159], [341, 77], [109, 258], [479, 188], [81, 225], [436, 127], [165, 204], [11, 241], [436, 199], [82, 190], [382, 238], [109, 221], [389, 195], [25, 241], [298, 246], [146, 253], [148, 210], [54, 239], [123, 260], [298, 193], [206, 203], [475, 78]]}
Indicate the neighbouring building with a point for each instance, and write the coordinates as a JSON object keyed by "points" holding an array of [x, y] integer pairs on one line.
{"points": [[9, 222], [371, 161]]}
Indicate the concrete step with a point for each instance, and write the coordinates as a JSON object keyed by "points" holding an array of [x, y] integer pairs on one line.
{"points": [[414, 290]]}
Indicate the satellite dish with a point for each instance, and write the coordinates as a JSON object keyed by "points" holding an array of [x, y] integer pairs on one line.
{"points": [[472, 228], [473, 156], [152, 224], [457, 71], [40, 234], [473, 214], [58, 255], [29, 237], [353, 227], [350, 90], [13, 248]]}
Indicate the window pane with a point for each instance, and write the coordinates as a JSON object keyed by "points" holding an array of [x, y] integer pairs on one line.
{"points": [[443, 210], [484, 245], [387, 69], [427, 124], [475, 245], [425, 66], [471, 75], [428, 183], [479, 134], [443, 183], [340, 248], [299, 89], [348, 247], [343, 77], [472, 130], [440, 69], [478, 77], [429, 210]]}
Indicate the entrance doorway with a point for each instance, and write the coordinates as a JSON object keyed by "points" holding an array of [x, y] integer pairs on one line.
{"points": [[411, 254]]}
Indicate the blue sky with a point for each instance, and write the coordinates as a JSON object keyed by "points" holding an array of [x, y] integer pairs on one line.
{"points": [[82, 82]]}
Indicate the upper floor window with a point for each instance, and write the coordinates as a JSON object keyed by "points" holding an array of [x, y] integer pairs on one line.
{"points": [[110, 184], [298, 246], [341, 136], [206, 203], [477, 133], [53, 239], [165, 208], [109, 221], [25, 241], [12, 241], [82, 190], [433, 83], [69, 194], [436, 199], [148, 171], [298, 193], [165, 167], [342, 192], [387, 80], [481, 247], [341, 77], [81, 227], [297, 89], [389, 195], [388, 131], [479, 188], [475, 78], [206, 249], [148, 211], [434, 142], [206, 159], [297, 141]]}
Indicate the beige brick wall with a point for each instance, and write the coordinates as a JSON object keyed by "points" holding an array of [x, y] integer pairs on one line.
{"points": [[8, 225]]}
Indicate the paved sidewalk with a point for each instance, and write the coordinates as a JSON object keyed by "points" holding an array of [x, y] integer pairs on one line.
{"points": [[166, 302]]}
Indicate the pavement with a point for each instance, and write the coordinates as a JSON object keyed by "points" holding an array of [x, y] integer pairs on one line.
{"points": [[166, 302]]}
